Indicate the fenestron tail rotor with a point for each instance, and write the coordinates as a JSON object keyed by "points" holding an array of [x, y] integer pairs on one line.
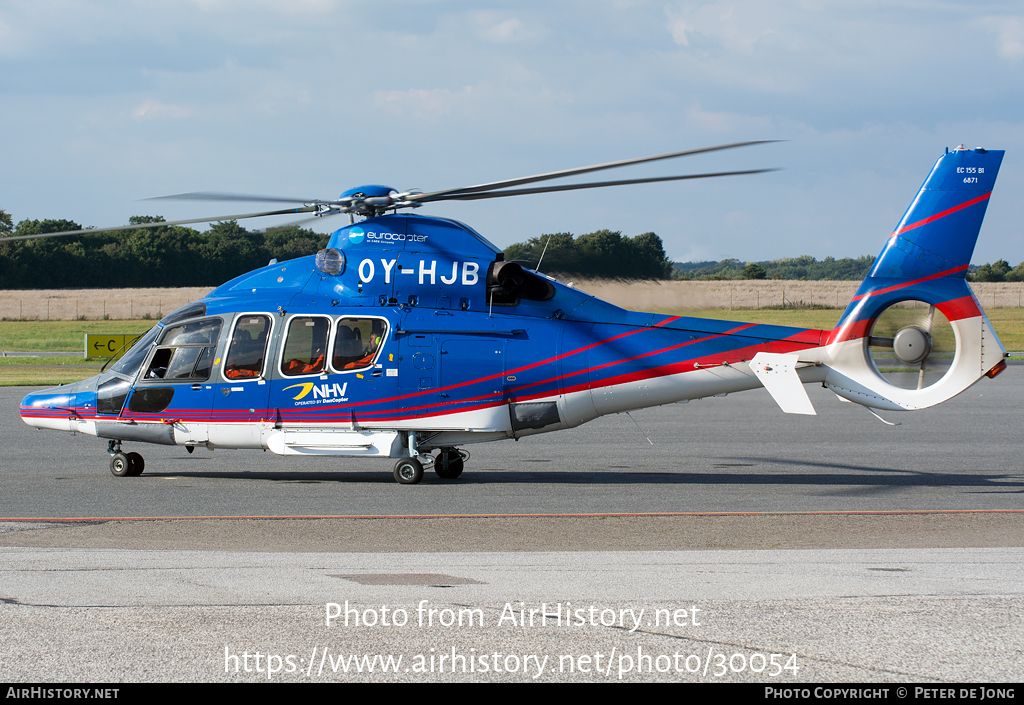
{"points": [[912, 344], [371, 201]]}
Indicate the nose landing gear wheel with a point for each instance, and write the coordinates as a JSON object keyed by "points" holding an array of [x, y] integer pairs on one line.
{"points": [[408, 471]]}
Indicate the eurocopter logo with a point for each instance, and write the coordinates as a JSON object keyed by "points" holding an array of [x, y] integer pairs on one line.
{"points": [[322, 393], [356, 235]]}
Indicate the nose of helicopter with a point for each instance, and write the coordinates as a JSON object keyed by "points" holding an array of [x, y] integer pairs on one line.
{"points": [[56, 407]]}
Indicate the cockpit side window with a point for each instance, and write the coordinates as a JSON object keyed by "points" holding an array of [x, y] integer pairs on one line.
{"points": [[248, 348], [356, 342], [305, 350], [186, 351]]}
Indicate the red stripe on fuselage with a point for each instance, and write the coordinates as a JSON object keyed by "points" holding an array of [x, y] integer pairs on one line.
{"points": [[904, 285], [953, 310], [943, 214], [964, 307], [514, 393], [517, 370], [802, 339]]}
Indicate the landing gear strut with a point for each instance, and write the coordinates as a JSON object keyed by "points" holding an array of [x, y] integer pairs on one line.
{"points": [[409, 470]]}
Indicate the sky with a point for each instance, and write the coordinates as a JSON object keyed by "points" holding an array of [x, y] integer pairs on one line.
{"points": [[105, 103]]}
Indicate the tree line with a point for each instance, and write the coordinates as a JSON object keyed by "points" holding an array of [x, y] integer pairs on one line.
{"points": [[803, 267], [171, 256], [808, 268], [600, 254], [154, 257]]}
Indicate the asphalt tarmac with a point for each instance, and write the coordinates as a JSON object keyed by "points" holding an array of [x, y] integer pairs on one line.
{"points": [[738, 453], [743, 545]]}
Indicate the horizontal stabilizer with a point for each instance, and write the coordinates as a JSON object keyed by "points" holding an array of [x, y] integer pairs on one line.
{"points": [[777, 372]]}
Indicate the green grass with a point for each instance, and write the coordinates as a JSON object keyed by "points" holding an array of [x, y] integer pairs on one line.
{"points": [[46, 371], [1009, 325], [53, 336], [51, 361], [28, 336]]}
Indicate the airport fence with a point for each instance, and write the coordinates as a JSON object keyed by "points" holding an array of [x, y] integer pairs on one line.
{"points": [[124, 304]]}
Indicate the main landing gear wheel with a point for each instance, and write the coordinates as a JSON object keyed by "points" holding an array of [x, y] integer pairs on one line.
{"points": [[138, 464], [408, 471], [127, 465], [448, 464], [120, 465]]}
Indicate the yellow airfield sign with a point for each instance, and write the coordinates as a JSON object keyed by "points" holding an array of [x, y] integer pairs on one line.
{"points": [[105, 345]]}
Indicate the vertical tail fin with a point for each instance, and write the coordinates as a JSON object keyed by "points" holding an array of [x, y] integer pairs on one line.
{"points": [[925, 259], [938, 232]]}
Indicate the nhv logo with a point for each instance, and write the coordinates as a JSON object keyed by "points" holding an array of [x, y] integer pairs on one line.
{"points": [[320, 391]]}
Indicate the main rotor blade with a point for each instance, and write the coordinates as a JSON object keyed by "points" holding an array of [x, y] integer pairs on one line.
{"points": [[242, 216], [215, 196], [595, 184], [444, 195], [306, 221]]}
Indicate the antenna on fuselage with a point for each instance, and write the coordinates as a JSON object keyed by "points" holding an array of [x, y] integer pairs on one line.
{"points": [[544, 252], [638, 428]]}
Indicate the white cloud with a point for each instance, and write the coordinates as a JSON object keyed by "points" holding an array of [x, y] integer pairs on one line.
{"points": [[423, 104], [736, 26], [1009, 33], [154, 110], [281, 7], [678, 28], [499, 29], [504, 31], [726, 122]]}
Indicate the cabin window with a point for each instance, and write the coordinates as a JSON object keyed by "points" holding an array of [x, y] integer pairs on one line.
{"points": [[357, 342], [305, 350], [186, 351], [248, 348]]}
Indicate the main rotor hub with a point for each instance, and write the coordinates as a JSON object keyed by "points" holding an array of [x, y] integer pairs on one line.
{"points": [[374, 199]]}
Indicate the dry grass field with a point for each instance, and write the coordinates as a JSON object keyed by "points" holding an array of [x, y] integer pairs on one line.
{"points": [[674, 296], [658, 296], [94, 304]]}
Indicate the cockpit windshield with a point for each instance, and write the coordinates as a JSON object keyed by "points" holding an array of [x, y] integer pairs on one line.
{"points": [[132, 360]]}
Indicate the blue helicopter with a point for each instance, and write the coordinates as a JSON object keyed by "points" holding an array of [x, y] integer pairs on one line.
{"points": [[411, 337]]}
